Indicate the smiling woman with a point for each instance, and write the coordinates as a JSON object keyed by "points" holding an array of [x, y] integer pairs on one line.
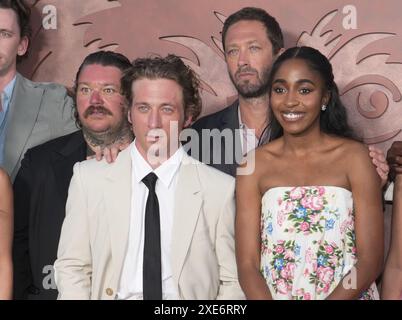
{"points": [[6, 235], [314, 196]]}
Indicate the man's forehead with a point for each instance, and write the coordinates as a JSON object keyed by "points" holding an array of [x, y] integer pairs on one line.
{"points": [[246, 30], [8, 19]]}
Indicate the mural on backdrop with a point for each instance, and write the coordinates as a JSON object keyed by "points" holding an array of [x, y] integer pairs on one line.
{"points": [[361, 39]]}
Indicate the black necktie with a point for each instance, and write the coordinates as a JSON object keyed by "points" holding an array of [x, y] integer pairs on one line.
{"points": [[152, 269]]}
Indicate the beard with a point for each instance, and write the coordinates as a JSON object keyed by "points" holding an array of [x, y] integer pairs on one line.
{"points": [[121, 132], [247, 89]]}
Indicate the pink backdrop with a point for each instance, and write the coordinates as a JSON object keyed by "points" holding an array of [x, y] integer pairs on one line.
{"points": [[362, 40]]}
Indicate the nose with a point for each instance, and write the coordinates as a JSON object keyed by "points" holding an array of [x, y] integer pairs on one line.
{"points": [[154, 119], [291, 99], [96, 97], [243, 58]]}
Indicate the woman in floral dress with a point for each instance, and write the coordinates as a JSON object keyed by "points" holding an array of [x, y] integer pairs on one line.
{"points": [[309, 218]]}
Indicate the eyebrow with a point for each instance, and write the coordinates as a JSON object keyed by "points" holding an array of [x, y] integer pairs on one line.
{"points": [[103, 84], [6, 30], [247, 42], [298, 81]]}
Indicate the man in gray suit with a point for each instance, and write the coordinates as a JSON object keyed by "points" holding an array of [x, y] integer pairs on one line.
{"points": [[156, 223], [30, 113]]}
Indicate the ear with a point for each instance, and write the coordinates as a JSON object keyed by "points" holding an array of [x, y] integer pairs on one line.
{"points": [[188, 122], [281, 50], [129, 116], [23, 46], [326, 97]]}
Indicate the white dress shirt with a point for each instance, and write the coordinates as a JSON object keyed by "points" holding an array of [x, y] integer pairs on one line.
{"points": [[130, 286]]}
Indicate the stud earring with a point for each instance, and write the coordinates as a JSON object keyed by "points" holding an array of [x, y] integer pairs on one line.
{"points": [[323, 107]]}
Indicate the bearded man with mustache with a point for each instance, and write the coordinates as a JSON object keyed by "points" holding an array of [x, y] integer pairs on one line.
{"points": [[41, 185]]}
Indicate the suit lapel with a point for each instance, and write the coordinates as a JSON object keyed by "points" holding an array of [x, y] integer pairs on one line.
{"points": [[117, 196], [188, 201], [24, 109], [231, 121]]}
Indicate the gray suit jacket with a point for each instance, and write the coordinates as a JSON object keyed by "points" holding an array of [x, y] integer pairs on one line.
{"points": [[95, 232], [38, 112]]}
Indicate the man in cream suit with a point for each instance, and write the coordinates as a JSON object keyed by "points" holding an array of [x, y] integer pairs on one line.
{"points": [[30, 113], [155, 224]]}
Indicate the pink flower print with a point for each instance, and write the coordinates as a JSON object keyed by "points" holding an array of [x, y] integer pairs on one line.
{"points": [[280, 218], [281, 286], [329, 249], [280, 201], [354, 251], [334, 244], [321, 191], [289, 254], [325, 275], [306, 272], [290, 268], [309, 256], [279, 249], [281, 242], [344, 225], [299, 292], [323, 288], [316, 203], [285, 274], [314, 218], [305, 226], [333, 260], [296, 193], [287, 207], [305, 202], [306, 296]]}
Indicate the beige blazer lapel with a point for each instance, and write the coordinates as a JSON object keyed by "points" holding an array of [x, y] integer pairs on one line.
{"points": [[23, 111], [188, 201], [117, 196]]}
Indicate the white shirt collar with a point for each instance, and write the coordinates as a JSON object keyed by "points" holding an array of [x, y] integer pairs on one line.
{"points": [[165, 172]]}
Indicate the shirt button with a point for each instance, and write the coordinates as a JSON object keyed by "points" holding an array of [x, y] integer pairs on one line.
{"points": [[109, 292]]}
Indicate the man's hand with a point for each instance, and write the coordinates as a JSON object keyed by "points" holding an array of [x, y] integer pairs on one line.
{"points": [[378, 159], [394, 158], [109, 153]]}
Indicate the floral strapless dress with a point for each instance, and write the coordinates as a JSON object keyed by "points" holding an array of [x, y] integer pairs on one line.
{"points": [[308, 242]]}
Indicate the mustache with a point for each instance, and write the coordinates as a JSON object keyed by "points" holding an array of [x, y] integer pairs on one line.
{"points": [[245, 69], [96, 109]]}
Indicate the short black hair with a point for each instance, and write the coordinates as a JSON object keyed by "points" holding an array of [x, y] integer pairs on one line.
{"points": [[272, 27], [103, 58]]}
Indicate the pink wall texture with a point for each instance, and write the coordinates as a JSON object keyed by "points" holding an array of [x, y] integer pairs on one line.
{"points": [[363, 40]]}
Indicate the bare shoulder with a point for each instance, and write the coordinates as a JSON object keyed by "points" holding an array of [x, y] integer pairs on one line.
{"points": [[354, 151]]}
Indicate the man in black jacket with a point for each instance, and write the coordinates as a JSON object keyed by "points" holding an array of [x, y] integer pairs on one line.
{"points": [[41, 185], [251, 40]]}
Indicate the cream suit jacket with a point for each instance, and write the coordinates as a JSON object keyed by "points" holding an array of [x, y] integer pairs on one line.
{"points": [[95, 232]]}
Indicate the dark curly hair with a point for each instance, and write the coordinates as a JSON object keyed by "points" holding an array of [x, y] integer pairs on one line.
{"points": [[272, 27], [334, 119], [171, 67], [103, 58], [23, 13]]}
